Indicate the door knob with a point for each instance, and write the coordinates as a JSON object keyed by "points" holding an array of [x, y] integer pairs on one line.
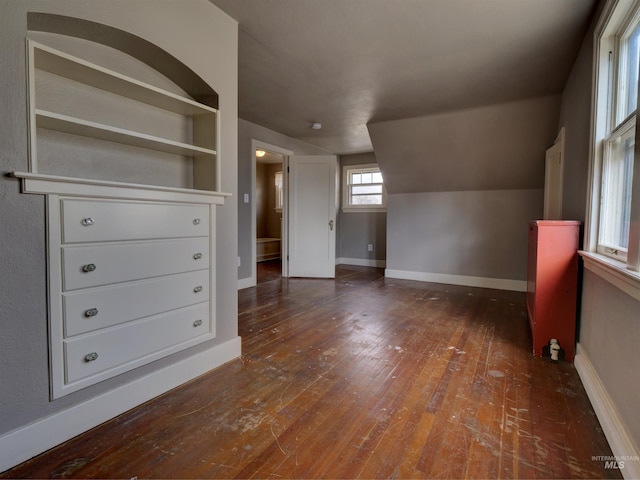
{"points": [[331, 224]]}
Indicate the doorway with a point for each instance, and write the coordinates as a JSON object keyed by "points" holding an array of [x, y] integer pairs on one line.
{"points": [[269, 201], [269, 212]]}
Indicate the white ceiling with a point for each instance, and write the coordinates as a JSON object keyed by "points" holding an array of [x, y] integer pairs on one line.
{"points": [[346, 63]]}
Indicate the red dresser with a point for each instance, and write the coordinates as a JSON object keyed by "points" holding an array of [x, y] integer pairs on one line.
{"points": [[552, 284]]}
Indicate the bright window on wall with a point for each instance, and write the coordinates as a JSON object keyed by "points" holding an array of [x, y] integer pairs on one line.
{"points": [[278, 190], [363, 188], [613, 203]]}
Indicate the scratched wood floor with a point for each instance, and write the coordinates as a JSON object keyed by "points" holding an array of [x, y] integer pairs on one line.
{"points": [[361, 377]]}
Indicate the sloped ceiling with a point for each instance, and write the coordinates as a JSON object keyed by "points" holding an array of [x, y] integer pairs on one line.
{"points": [[347, 63], [496, 147]]}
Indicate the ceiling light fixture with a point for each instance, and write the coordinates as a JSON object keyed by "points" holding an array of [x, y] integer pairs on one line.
{"points": [[316, 125], [260, 153]]}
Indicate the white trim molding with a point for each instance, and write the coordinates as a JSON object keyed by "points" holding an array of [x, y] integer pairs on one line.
{"points": [[246, 283], [26, 442], [361, 262], [464, 280], [613, 272], [621, 443]]}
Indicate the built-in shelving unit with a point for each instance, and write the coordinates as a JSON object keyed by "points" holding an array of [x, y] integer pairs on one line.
{"points": [[131, 266], [204, 142]]}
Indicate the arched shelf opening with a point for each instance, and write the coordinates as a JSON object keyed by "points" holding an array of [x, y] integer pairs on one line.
{"points": [[108, 105]]}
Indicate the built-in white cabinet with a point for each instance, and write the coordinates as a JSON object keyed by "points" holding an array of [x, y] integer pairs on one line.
{"points": [[180, 125], [131, 265], [130, 281]]}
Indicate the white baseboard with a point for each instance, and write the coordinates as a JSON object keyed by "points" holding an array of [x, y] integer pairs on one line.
{"points": [[621, 443], [361, 262], [35, 438], [496, 283], [246, 283]]}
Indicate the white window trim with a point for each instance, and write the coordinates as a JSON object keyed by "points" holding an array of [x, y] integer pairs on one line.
{"points": [[345, 192], [612, 270]]}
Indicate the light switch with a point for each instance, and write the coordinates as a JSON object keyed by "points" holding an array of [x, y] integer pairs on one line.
{"points": [[246, 198]]}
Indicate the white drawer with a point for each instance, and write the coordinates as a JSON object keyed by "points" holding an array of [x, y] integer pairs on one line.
{"points": [[127, 346], [101, 220], [95, 308], [92, 265]]}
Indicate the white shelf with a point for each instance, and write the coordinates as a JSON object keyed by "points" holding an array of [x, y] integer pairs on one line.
{"points": [[40, 183], [61, 63], [85, 128], [202, 147]]}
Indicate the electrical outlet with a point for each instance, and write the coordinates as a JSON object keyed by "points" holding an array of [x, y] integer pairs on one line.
{"points": [[370, 247]]}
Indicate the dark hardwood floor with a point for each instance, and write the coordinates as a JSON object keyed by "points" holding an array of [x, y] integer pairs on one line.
{"points": [[268, 271], [361, 377]]}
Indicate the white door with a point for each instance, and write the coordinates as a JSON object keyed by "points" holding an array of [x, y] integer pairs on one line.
{"points": [[312, 215], [553, 176]]}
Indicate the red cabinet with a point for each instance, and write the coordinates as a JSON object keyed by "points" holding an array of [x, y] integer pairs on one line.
{"points": [[552, 284]]}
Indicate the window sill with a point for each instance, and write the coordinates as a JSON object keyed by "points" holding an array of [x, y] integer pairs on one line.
{"points": [[364, 209], [614, 272]]}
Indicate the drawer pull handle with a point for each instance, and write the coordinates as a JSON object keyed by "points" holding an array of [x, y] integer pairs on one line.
{"points": [[92, 312], [197, 256], [90, 357], [196, 221], [88, 221], [197, 323], [198, 289], [89, 267]]}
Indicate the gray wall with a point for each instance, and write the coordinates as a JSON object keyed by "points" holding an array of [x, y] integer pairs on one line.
{"points": [[24, 395], [609, 336], [248, 131], [477, 234], [609, 331], [358, 229], [465, 186], [575, 116]]}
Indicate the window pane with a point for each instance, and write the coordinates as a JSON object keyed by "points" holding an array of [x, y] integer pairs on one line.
{"points": [[278, 185], [366, 200], [364, 186], [360, 189], [617, 175], [631, 77]]}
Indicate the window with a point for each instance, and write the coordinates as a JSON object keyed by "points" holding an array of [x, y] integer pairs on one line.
{"points": [[363, 188], [613, 203], [278, 189]]}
